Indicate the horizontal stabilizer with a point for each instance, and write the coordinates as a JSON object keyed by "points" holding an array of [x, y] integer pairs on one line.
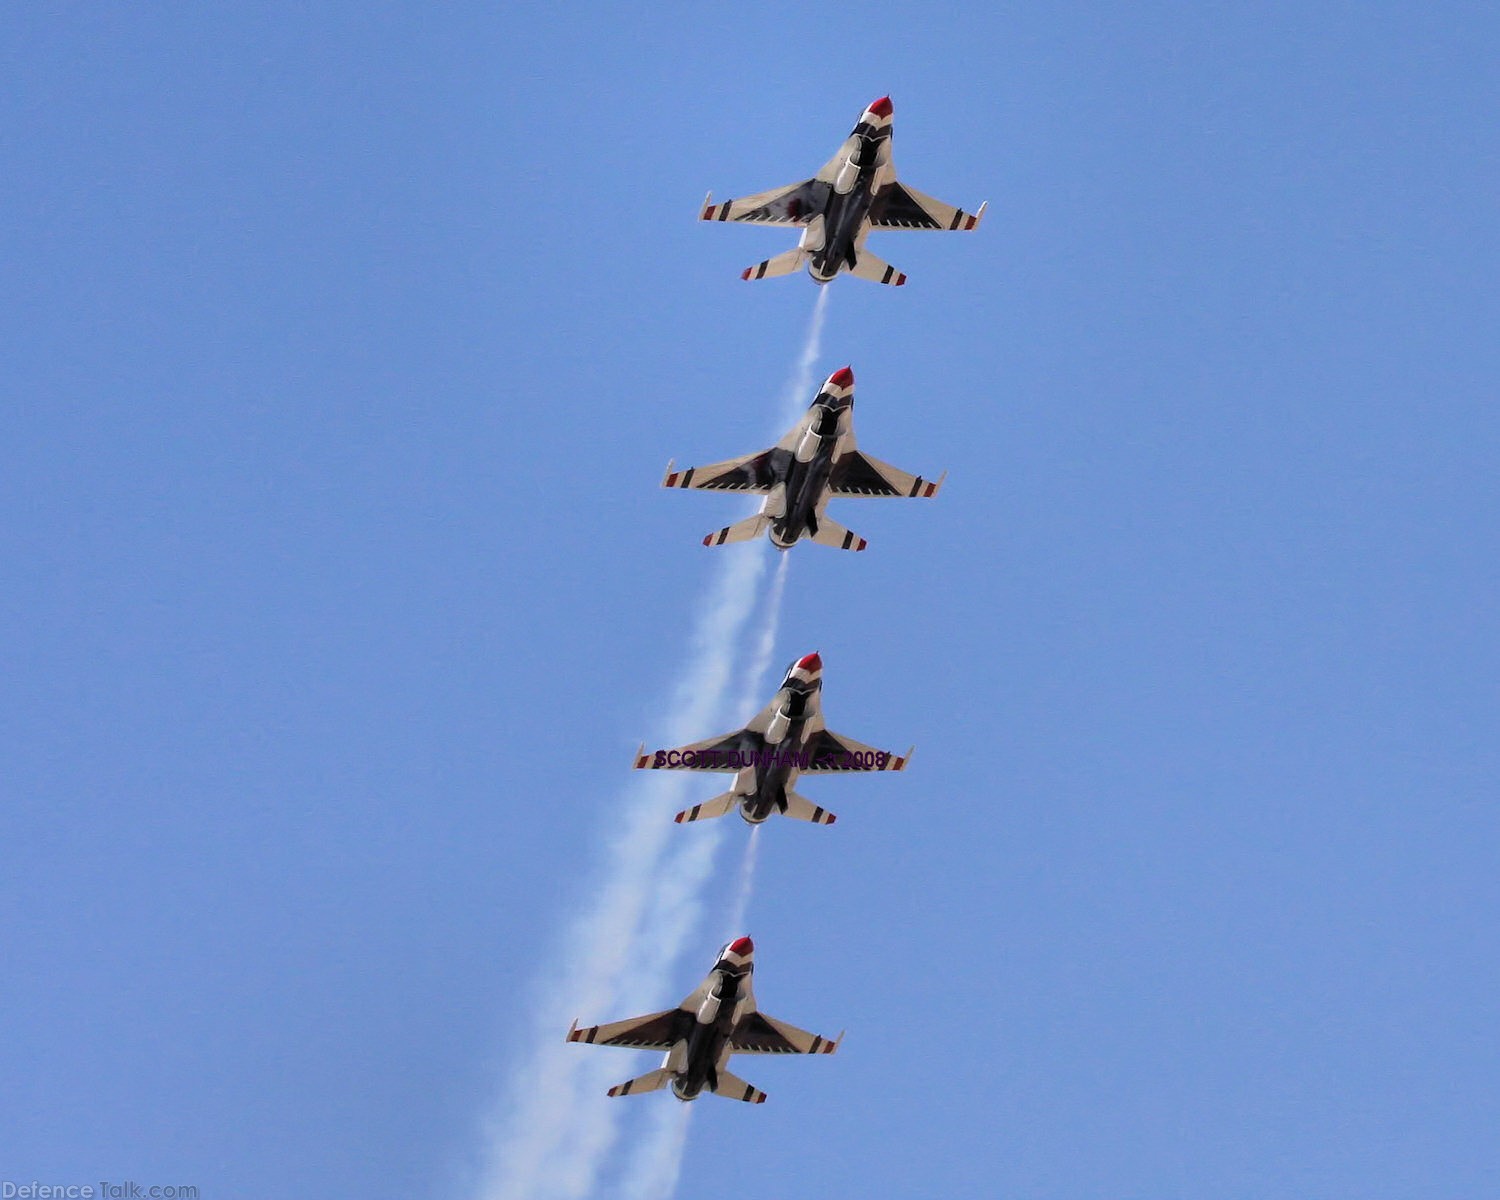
{"points": [[831, 533], [782, 264], [736, 1088], [719, 806], [649, 1082], [867, 266], [741, 531], [803, 809]]}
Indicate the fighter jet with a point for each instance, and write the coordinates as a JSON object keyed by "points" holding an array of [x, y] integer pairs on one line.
{"points": [[815, 461], [783, 740], [718, 1019], [854, 192]]}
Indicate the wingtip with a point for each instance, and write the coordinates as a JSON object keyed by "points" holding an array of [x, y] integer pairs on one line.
{"points": [[640, 757], [979, 216], [669, 476], [573, 1030], [706, 211], [745, 274]]}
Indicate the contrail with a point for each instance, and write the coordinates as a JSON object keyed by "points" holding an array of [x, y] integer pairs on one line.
{"points": [[736, 924], [654, 1167], [765, 645], [802, 377], [550, 1136], [653, 1174], [657, 1161], [677, 905]]}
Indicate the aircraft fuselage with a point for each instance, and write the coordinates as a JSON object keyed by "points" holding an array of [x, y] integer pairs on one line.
{"points": [[807, 482], [707, 1046], [846, 212], [762, 786]]}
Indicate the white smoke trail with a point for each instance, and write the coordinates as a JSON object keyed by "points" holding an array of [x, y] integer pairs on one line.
{"points": [[750, 698], [657, 1163], [549, 1140], [654, 1170], [654, 1167], [677, 905], [551, 1135], [736, 924], [802, 380]]}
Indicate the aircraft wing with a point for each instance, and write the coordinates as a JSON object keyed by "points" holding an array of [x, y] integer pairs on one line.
{"points": [[712, 754], [759, 1034], [858, 474], [902, 207], [722, 753], [829, 752], [795, 204], [753, 473], [655, 1031]]}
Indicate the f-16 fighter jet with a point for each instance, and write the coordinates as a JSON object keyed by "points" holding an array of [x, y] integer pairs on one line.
{"points": [[718, 1019], [854, 192], [815, 461], [783, 740]]}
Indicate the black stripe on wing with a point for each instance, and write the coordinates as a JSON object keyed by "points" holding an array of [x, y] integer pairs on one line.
{"points": [[826, 753], [759, 472], [756, 1035], [656, 1033], [854, 476], [895, 208], [798, 205]]}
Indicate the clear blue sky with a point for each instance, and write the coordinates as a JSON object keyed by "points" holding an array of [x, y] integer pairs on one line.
{"points": [[341, 355]]}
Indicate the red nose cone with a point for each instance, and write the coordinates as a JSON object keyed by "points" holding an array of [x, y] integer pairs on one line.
{"points": [[881, 107], [842, 378], [810, 662], [742, 946]]}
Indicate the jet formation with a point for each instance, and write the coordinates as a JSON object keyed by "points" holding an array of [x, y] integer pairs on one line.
{"points": [[853, 193], [816, 460]]}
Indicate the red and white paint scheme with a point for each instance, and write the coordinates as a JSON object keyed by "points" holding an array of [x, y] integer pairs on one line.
{"points": [[854, 192], [816, 460], [717, 1019]]}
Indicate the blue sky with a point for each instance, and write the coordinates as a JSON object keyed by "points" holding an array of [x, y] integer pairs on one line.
{"points": [[342, 354]]}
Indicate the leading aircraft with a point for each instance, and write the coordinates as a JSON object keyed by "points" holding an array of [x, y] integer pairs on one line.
{"points": [[854, 192], [718, 1018], [783, 740], [815, 461]]}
